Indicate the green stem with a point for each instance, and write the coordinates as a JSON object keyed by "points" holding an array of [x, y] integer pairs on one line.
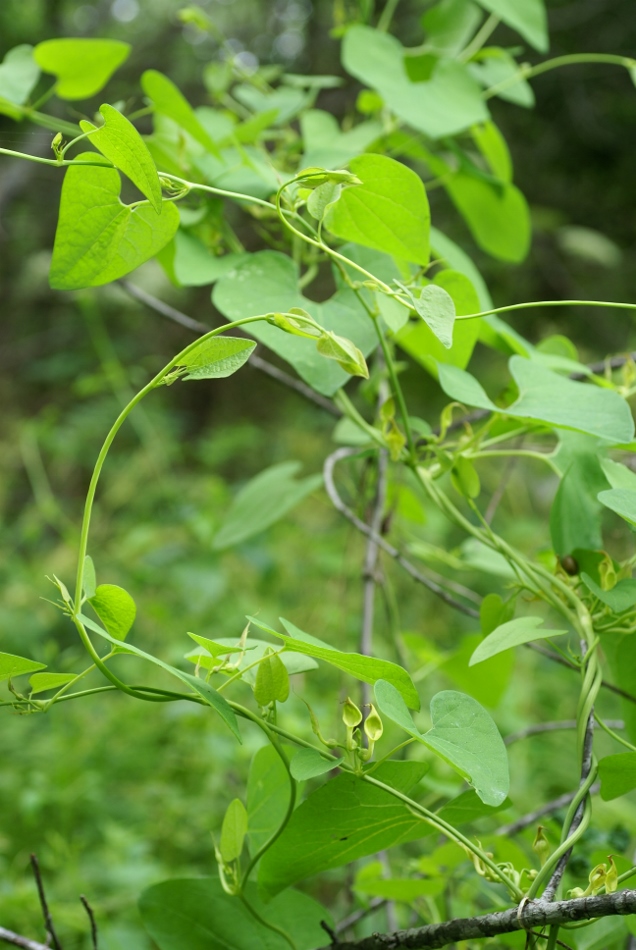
{"points": [[551, 303], [614, 735], [266, 923], [48, 161], [517, 453], [573, 59], [480, 38], [387, 15]]}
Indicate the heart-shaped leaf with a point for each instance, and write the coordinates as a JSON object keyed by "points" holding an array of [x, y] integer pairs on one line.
{"points": [[309, 763], [82, 66], [121, 143], [18, 75], [436, 308], [170, 101], [463, 734], [99, 239]]}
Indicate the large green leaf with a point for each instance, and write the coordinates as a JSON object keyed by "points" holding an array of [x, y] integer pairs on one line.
{"points": [[197, 914], [527, 17], [512, 634], [18, 75], [547, 397], [268, 791], [617, 774], [327, 146], [268, 283], [170, 101], [450, 24], [341, 821], [99, 239], [447, 103], [365, 668], [204, 690], [216, 358], [121, 143], [266, 498], [389, 211], [115, 608], [11, 666], [496, 213], [619, 599], [490, 686], [194, 264], [82, 66], [463, 735]]}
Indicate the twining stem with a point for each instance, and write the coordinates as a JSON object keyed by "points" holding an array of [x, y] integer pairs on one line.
{"points": [[529, 304], [527, 72], [266, 923]]}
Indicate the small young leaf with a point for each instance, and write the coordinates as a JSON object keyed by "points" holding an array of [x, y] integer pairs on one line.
{"points": [[233, 831], [40, 682], [436, 307], [622, 501], [82, 66], [617, 774], [344, 352], [217, 358], [527, 17], [115, 608], [322, 198], [217, 649], [272, 681], [309, 763], [90, 581], [268, 791], [11, 666], [121, 143], [512, 634], [99, 239], [170, 101], [465, 478]]}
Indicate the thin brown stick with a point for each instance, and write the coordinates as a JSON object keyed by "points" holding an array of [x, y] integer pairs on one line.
{"points": [[17, 940], [46, 913], [91, 916], [542, 727], [347, 922], [153, 303], [530, 916], [548, 809]]}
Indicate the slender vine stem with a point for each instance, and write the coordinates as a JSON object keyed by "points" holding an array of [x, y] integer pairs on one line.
{"points": [[573, 59]]}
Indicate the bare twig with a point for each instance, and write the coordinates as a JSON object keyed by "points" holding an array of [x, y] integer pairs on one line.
{"points": [[91, 917], [541, 727], [548, 809], [347, 922], [153, 303], [534, 914], [46, 913], [8, 936], [328, 471], [550, 655]]}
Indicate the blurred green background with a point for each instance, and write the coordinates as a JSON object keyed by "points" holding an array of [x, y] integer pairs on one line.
{"points": [[113, 795]]}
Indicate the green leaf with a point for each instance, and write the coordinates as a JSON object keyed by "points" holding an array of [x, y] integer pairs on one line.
{"points": [[436, 307], [40, 682], [99, 239], [170, 101], [215, 648], [493, 147], [341, 821], [216, 358], [197, 914], [344, 352], [11, 666], [512, 634], [575, 516], [449, 102], [204, 690], [468, 807], [497, 214], [491, 685], [494, 65], [194, 264], [266, 498], [622, 501], [619, 599], [527, 17], [268, 791], [365, 668], [254, 650], [547, 397], [617, 774], [463, 735], [456, 259], [619, 476], [272, 681], [18, 75], [121, 143], [388, 212], [326, 146], [82, 66], [233, 831], [268, 283], [403, 890], [90, 580], [449, 25], [115, 608], [309, 763]]}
